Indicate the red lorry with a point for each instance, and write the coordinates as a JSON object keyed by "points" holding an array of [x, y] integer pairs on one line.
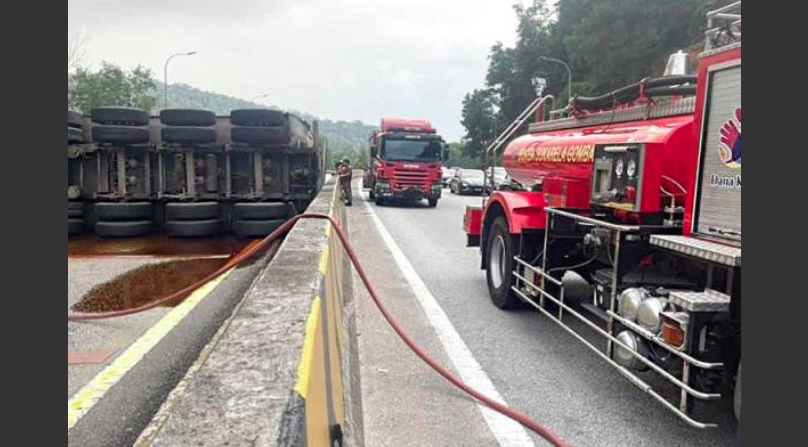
{"points": [[406, 162], [637, 194]]}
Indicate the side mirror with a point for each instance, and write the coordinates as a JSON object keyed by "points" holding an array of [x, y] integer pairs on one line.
{"points": [[374, 152], [447, 153]]}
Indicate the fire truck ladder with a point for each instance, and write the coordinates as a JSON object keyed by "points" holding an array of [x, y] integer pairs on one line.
{"points": [[724, 26], [514, 127]]}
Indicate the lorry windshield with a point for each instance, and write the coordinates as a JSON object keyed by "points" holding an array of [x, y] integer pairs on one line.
{"points": [[412, 150]]}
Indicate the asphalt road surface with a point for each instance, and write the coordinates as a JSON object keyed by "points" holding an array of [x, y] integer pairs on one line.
{"points": [[532, 363]]}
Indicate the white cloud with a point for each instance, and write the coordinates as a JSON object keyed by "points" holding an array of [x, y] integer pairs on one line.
{"points": [[341, 59]]}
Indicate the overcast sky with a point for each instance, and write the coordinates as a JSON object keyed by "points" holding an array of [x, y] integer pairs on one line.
{"points": [[338, 59]]}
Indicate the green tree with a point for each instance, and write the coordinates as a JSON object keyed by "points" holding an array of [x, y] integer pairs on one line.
{"points": [[111, 86], [479, 119]]}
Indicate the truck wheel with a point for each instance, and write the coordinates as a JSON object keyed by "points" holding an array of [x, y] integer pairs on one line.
{"points": [[119, 116], [123, 229], [74, 226], [372, 195], [433, 203], [500, 265], [256, 228], [738, 398], [192, 211], [189, 135], [75, 210], [121, 135], [75, 136], [199, 228], [260, 135], [258, 118], [263, 211], [75, 120], [123, 211], [188, 118]]}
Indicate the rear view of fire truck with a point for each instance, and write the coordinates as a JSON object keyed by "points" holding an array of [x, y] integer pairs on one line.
{"points": [[637, 194]]}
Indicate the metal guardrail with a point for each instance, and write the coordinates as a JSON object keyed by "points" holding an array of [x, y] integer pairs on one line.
{"points": [[534, 293]]}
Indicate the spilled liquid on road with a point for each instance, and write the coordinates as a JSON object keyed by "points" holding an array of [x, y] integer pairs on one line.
{"points": [[146, 285]]}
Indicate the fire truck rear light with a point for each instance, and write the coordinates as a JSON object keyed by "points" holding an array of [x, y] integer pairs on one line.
{"points": [[673, 329]]}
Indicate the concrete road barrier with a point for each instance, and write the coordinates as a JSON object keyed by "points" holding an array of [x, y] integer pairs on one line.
{"points": [[285, 373]]}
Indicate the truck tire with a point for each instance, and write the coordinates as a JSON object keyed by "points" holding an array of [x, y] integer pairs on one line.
{"points": [[119, 116], [192, 211], [75, 210], [260, 135], [198, 228], [121, 135], [738, 396], [75, 120], [123, 211], [433, 203], [372, 195], [123, 229], [258, 118], [263, 211], [188, 118], [499, 263], [74, 226], [75, 136], [256, 228], [189, 135]]}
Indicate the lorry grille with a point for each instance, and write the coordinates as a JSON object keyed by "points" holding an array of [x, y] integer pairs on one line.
{"points": [[411, 178]]}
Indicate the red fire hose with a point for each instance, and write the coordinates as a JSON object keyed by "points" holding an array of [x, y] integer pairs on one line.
{"points": [[420, 352]]}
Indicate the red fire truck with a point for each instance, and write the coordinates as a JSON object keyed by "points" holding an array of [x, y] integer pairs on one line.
{"points": [[638, 194], [406, 161]]}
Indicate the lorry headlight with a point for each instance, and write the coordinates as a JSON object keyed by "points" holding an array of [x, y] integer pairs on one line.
{"points": [[630, 302], [649, 314], [625, 356]]}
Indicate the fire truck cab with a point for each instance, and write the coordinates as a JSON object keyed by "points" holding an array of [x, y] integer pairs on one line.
{"points": [[637, 194], [406, 162]]}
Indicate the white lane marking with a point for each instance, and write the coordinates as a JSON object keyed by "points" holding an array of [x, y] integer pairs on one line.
{"points": [[507, 432]]}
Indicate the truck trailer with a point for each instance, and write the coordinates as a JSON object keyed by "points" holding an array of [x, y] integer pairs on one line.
{"points": [[638, 194], [189, 173], [406, 158]]}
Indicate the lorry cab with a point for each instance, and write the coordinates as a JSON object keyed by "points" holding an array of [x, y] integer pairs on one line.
{"points": [[406, 162]]}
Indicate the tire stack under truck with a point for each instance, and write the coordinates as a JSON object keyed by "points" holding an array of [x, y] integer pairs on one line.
{"points": [[190, 173], [122, 138], [75, 142]]}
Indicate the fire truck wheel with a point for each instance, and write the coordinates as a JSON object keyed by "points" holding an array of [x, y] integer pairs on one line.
{"points": [[199, 228], [433, 203], [75, 136], [738, 395], [258, 118], [260, 135], [75, 210], [500, 265], [74, 226], [263, 211], [188, 118], [192, 211], [123, 229], [189, 135], [123, 211], [121, 135], [256, 228], [372, 195], [75, 120]]}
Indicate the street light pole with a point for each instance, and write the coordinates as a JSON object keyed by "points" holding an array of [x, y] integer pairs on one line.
{"points": [[168, 61], [569, 72]]}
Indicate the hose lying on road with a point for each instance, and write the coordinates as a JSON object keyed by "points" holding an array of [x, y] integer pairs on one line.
{"points": [[252, 250]]}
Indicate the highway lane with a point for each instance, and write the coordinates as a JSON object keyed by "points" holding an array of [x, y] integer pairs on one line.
{"points": [[536, 366]]}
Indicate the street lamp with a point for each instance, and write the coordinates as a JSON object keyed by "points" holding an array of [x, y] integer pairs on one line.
{"points": [[257, 98], [168, 61], [569, 71]]}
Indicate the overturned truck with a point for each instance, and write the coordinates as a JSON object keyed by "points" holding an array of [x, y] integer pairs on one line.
{"points": [[189, 173]]}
